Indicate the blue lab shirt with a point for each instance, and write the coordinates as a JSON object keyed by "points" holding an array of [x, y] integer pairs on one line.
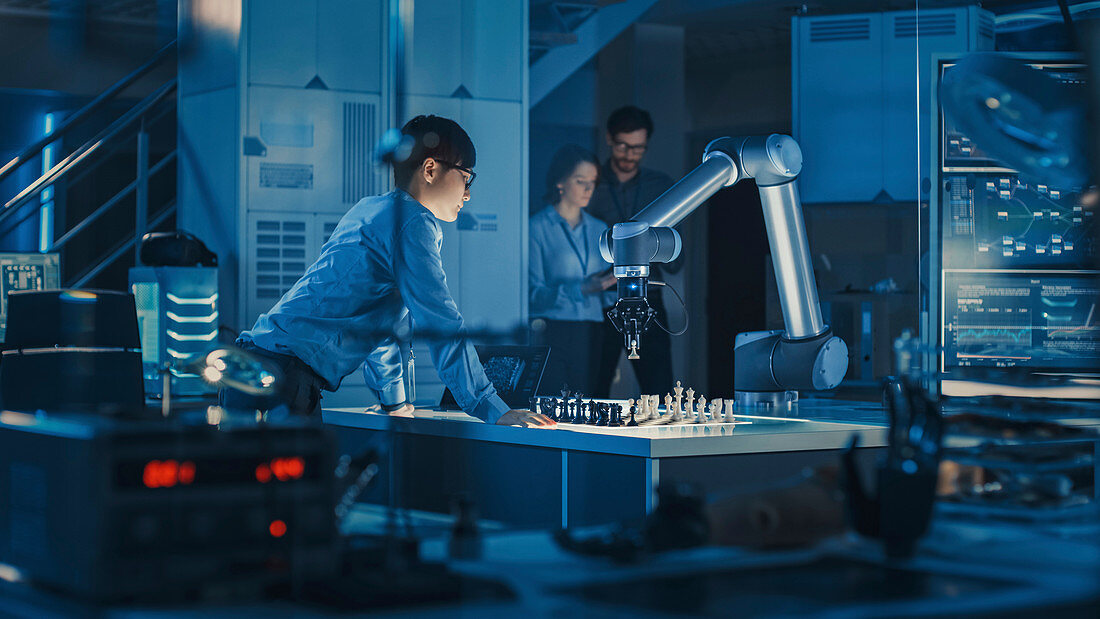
{"points": [[561, 258], [380, 264]]}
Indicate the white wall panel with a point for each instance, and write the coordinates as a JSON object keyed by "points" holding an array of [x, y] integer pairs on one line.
{"points": [[206, 200], [491, 259], [318, 148], [349, 44], [838, 115], [492, 49], [433, 52], [209, 35], [282, 42]]}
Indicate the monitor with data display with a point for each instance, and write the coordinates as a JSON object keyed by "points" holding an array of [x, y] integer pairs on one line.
{"points": [[1014, 279], [25, 271]]}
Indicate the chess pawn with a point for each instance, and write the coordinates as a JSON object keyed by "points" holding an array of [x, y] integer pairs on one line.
{"points": [[633, 421], [702, 409], [728, 404], [668, 404], [630, 405]]}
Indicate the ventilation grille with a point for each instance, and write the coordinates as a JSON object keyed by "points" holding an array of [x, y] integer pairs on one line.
{"points": [[858, 29], [280, 248], [327, 228], [986, 29], [360, 135], [930, 25]]}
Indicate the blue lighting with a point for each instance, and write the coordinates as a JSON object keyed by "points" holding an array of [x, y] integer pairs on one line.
{"points": [[45, 211]]}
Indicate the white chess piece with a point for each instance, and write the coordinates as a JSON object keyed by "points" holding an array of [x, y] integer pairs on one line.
{"points": [[702, 418], [689, 404], [668, 404], [728, 403], [716, 409]]}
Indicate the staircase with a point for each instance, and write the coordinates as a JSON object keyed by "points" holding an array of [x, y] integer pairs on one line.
{"points": [[564, 35], [96, 197], [554, 23]]}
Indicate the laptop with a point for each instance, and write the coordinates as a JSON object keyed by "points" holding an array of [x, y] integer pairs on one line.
{"points": [[515, 371]]}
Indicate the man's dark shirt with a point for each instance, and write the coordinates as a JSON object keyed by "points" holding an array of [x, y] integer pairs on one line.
{"points": [[616, 202]]}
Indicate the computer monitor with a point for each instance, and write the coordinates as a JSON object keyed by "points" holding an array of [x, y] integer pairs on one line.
{"points": [[25, 271], [1045, 321], [1013, 274]]}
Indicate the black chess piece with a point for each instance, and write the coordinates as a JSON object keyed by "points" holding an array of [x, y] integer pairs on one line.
{"points": [[605, 414], [551, 406], [578, 417], [594, 409], [533, 405], [616, 416], [633, 421]]}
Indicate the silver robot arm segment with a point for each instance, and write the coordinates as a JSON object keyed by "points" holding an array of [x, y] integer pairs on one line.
{"points": [[805, 355]]}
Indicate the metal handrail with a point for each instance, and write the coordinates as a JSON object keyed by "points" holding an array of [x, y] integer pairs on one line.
{"points": [[34, 149], [86, 150], [121, 248], [106, 206]]}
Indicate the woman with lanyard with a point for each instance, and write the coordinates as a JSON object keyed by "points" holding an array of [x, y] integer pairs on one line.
{"points": [[569, 280]]}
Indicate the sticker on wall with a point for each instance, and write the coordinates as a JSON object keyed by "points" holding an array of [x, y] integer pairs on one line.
{"points": [[286, 176], [485, 222], [287, 134]]}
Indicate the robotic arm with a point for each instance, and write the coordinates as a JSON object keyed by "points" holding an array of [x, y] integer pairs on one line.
{"points": [[769, 365]]}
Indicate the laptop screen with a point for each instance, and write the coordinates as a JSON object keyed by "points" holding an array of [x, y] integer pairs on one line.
{"points": [[515, 372]]}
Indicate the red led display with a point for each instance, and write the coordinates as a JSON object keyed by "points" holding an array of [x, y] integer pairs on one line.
{"points": [[172, 473], [167, 473], [282, 469], [277, 528]]}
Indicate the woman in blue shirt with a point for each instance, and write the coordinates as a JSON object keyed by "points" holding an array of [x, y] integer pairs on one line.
{"points": [[568, 278]]}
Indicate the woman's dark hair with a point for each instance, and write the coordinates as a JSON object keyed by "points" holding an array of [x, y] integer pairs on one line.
{"points": [[441, 139], [562, 165], [627, 119]]}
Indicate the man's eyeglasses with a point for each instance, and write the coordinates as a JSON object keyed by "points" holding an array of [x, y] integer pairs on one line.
{"points": [[634, 149], [469, 179]]}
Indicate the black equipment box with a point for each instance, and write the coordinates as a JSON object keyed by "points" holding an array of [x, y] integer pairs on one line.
{"points": [[109, 508]]}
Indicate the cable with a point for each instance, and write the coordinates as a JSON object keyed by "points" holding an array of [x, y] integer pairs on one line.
{"points": [[683, 306]]}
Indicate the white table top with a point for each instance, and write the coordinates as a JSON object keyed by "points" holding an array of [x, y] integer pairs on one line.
{"points": [[821, 424]]}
